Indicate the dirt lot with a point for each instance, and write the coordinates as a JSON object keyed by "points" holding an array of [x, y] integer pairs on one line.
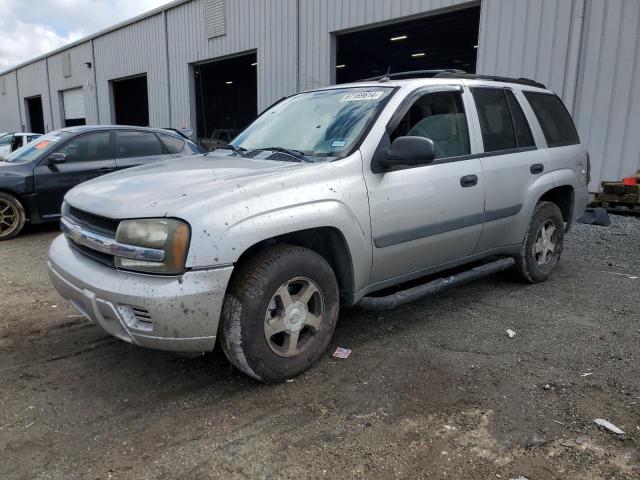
{"points": [[435, 389]]}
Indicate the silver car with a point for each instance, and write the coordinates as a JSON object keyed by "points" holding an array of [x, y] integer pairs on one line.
{"points": [[328, 199]]}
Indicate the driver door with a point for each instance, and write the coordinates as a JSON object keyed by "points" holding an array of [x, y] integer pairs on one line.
{"points": [[428, 215], [88, 156]]}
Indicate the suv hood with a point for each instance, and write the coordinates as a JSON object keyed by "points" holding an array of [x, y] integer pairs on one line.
{"points": [[152, 190]]}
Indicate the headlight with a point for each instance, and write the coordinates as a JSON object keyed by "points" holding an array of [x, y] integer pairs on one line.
{"points": [[166, 234]]}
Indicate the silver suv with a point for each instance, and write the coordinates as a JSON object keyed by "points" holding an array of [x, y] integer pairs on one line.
{"points": [[328, 199]]}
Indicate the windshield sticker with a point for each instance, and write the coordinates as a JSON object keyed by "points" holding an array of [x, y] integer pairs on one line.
{"points": [[339, 143], [355, 97], [42, 144]]}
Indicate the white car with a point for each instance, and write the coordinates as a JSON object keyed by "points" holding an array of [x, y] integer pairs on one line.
{"points": [[13, 141]]}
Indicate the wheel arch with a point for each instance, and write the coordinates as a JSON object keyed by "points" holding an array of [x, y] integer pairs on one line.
{"points": [[329, 242], [564, 197], [19, 198]]}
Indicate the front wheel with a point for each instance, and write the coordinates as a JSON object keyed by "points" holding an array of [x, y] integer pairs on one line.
{"points": [[12, 216], [279, 313], [542, 245]]}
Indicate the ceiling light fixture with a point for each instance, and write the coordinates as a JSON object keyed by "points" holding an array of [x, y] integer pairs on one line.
{"points": [[229, 82], [475, 46], [399, 37], [342, 65], [254, 64], [419, 54]]}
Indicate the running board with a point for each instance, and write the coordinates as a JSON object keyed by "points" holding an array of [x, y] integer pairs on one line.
{"points": [[435, 286]]}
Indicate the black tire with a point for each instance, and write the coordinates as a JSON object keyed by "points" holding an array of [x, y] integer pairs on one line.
{"points": [[532, 265], [12, 216], [252, 302]]}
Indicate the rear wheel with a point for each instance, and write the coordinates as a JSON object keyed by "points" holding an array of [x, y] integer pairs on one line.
{"points": [[12, 216], [279, 313], [542, 245]]}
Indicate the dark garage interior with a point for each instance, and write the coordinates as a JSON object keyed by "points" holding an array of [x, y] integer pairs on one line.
{"points": [[447, 40], [131, 101], [35, 114], [226, 98]]}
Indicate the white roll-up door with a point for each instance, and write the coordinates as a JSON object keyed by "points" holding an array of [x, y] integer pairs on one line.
{"points": [[73, 101]]}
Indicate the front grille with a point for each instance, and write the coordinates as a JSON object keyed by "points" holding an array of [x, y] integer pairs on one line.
{"points": [[94, 254], [94, 223]]}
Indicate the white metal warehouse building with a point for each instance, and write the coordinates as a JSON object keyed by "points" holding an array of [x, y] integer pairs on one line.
{"points": [[214, 64]]}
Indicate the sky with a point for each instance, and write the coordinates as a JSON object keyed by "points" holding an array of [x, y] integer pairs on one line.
{"points": [[30, 28]]}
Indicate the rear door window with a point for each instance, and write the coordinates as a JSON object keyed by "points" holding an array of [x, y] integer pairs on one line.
{"points": [[524, 138], [138, 144], [554, 119], [496, 124]]}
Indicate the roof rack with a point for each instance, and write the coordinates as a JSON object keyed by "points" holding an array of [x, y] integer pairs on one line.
{"points": [[413, 74], [495, 78]]}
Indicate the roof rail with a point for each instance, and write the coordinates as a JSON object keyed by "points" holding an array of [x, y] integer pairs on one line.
{"points": [[413, 74], [495, 78]]}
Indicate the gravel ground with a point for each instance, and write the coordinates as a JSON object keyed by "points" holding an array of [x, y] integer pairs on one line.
{"points": [[434, 389]]}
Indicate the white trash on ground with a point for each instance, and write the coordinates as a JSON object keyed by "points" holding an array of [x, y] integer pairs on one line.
{"points": [[608, 425]]}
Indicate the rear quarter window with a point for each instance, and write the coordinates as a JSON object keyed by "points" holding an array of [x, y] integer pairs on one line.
{"points": [[554, 119], [173, 144]]}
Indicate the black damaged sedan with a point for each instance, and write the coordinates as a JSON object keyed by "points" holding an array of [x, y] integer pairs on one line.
{"points": [[35, 178]]}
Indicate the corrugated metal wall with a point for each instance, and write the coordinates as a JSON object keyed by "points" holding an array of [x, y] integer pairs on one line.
{"points": [[136, 49], [9, 115], [81, 76], [608, 102], [533, 39], [267, 26], [32, 80]]}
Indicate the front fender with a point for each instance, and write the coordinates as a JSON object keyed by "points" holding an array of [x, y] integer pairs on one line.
{"points": [[245, 233]]}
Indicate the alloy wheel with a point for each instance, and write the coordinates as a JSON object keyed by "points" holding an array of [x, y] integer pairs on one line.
{"points": [[546, 243], [293, 317], [8, 218]]}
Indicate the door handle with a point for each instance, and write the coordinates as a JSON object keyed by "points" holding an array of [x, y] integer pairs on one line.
{"points": [[105, 170], [536, 168], [469, 180]]}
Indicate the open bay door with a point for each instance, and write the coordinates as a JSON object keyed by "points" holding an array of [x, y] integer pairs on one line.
{"points": [[73, 107]]}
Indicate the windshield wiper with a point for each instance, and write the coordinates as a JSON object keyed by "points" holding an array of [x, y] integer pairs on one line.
{"points": [[293, 153], [237, 150]]}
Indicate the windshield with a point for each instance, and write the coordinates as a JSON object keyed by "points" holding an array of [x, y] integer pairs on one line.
{"points": [[325, 123], [37, 147]]}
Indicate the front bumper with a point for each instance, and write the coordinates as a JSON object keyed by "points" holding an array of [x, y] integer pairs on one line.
{"points": [[166, 313]]}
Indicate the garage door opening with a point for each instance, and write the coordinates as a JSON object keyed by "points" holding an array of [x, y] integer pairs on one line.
{"points": [[448, 40], [131, 101], [35, 115], [73, 107], [226, 98]]}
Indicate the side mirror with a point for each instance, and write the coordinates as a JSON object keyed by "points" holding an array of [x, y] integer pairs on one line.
{"points": [[57, 157], [407, 151]]}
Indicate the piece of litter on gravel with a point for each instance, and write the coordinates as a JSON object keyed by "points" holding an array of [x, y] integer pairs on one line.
{"points": [[342, 352], [54, 306], [30, 425], [608, 425], [586, 374], [289, 380], [558, 422], [580, 440], [511, 333], [519, 478]]}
